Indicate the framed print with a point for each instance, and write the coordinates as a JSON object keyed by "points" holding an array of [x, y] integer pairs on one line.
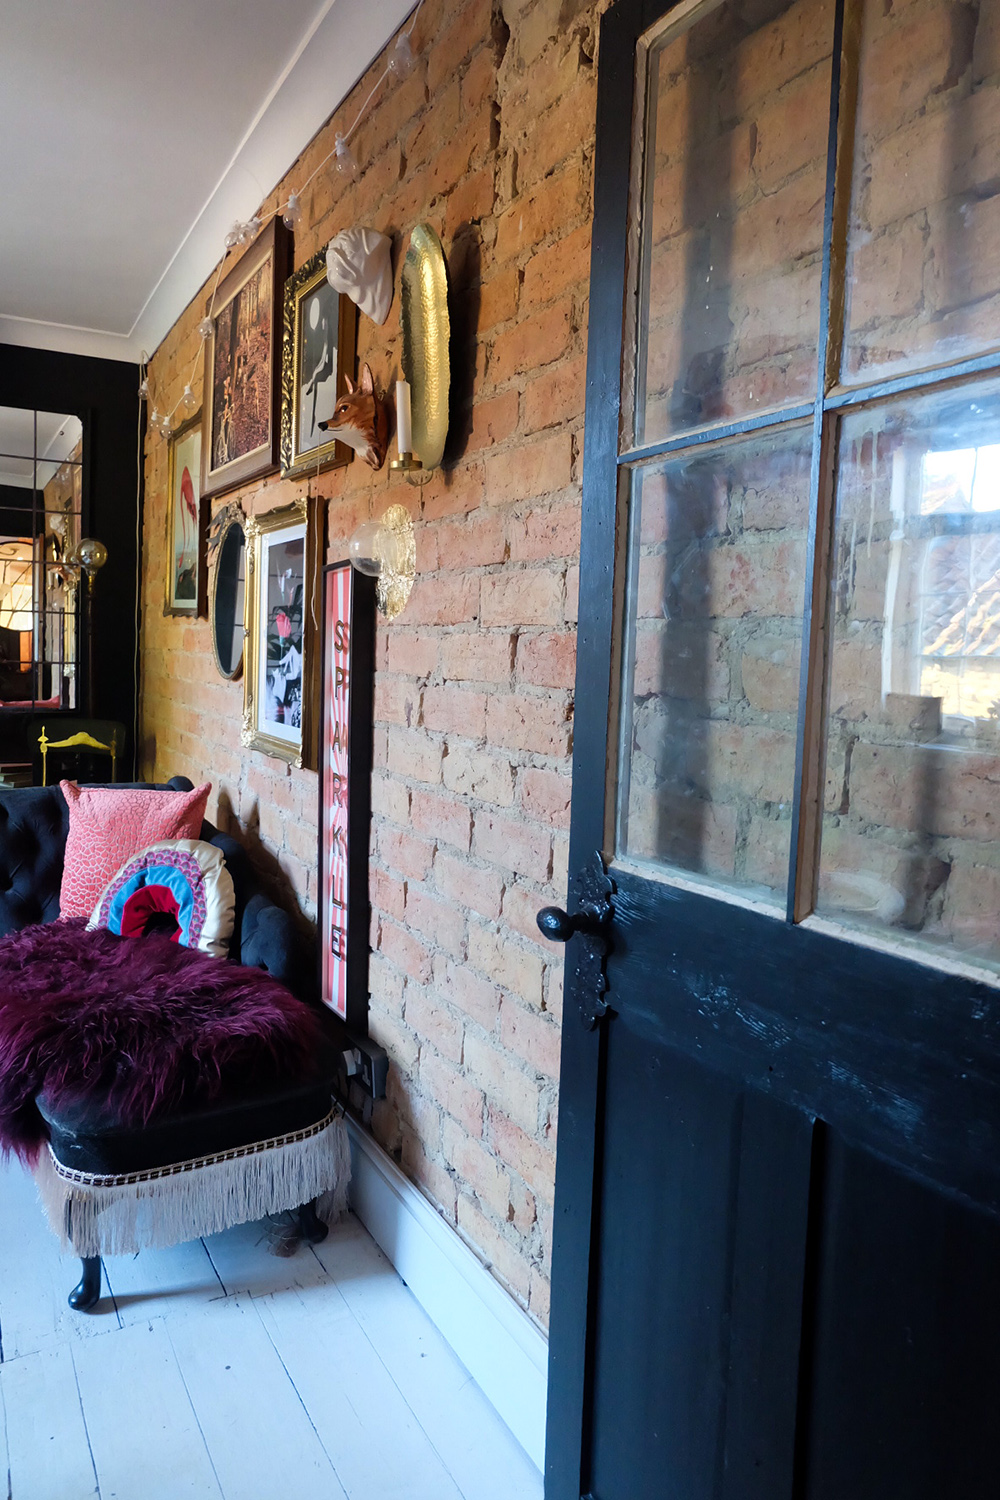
{"points": [[281, 662], [347, 679], [185, 580], [318, 348], [242, 401]]}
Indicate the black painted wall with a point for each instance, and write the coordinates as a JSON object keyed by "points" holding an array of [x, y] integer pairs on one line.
{"points": [[103, 393]]}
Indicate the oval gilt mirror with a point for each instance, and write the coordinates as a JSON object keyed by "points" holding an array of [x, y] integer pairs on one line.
{"points": [[228, 591]]}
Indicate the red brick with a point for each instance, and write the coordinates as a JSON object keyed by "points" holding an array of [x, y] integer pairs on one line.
{"points": [[468, 884], [547, 660], [405, 854], [469, 656], [457, 1094], [532, 1036], [520, 722], [413, 755], [479, 774], [412, 652], [542, 467], [444, 599], [512, 845], [435, 1022], [397, 700], [532, 1161], [529, 344], [468, 992], [455, 709], [478, 1168], [532, 218], [406, 952], [556, 396], [545, 796], [564, 265], [526, 596], [547, 531], [441, 818], [505, 1085]]}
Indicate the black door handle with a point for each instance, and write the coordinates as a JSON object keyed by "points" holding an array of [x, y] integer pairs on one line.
{"points": [[558, 926], [592, 920]]}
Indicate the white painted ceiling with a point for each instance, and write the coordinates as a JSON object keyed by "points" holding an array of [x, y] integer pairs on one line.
{"points": [[133, 132]]}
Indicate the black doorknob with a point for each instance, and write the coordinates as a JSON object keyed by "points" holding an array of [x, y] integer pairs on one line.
{"points": [[557, 925]]}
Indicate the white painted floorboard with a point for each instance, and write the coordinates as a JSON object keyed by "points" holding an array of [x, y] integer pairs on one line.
{"points": [[219, 1371]]}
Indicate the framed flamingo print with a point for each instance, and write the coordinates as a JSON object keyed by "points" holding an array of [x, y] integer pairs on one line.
{"points": [[186, 592]]}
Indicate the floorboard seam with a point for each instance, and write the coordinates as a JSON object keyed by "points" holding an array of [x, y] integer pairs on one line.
{"points": [[298, 1394], [83, 1419], [194, 1412], [389, 1375]]}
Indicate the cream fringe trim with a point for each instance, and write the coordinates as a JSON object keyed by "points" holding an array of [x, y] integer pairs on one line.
{"points": [[98, 1215]]}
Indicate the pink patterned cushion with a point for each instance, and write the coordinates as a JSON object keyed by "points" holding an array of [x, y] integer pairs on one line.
{"points": [[107, 827]]}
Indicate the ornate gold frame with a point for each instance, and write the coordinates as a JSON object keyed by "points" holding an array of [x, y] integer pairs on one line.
{"points": [[300, 511], [297, 289]]}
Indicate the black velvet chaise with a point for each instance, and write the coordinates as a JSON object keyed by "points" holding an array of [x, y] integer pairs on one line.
{"points": [[259, 1143]]}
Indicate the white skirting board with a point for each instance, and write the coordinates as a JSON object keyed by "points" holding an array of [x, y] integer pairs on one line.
{"points": [[497, 1343]]}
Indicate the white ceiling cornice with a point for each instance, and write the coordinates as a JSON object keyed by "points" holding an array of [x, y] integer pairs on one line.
{"points": [[332, 54]]}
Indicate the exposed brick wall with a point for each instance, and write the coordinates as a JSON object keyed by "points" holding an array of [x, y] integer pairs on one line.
{"points": [[491, 141]]}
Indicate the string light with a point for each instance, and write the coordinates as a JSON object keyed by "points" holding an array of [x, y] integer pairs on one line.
{"points": [[345, 162], [399, 65]]}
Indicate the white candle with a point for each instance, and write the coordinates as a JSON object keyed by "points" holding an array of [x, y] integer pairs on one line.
{"points": [[404, 426]]}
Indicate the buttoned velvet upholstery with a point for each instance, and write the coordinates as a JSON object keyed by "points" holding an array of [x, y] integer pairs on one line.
{"points": [[33, 825]]}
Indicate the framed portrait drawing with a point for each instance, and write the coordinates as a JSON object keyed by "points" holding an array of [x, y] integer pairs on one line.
{"points": [[347, 679], [281, 660], [242, 400], [185, 577], [318, 348]]}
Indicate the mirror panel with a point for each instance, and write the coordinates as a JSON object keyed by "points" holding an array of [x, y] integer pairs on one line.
{"points": [[228, 592]]}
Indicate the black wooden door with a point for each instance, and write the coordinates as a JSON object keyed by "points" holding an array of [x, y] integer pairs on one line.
{"points": [[776, 1270]]}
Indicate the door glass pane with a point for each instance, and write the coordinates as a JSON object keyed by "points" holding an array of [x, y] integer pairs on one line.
{"points": [[736, 141], [910, 832], [923, 274], [711, 667]]}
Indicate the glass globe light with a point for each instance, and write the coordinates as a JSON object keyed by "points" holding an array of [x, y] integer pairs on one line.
{"points": [[293, 211], [91, 555], [401, 60], [205, 327], [143, 388], [154, 420], [250, 228], [189, 400], [363, 549], [344, 159], [233, 237]]}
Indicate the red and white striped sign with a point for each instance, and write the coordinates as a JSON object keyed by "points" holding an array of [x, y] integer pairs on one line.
{"points": [[335, 771]]}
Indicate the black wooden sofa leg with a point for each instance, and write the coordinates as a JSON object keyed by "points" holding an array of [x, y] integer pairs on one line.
{"points": [[312, 1226], [86, 1294]]}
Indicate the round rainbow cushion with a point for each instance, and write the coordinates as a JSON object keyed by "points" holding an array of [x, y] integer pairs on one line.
{"points": [[184, 881]]}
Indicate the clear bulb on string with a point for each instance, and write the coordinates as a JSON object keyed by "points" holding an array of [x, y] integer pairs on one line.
{"points": [[250, 228], [233, 237], [364, 550], [401, 60], [205, 327], [293, 211], [143, 388], [154, 420], [344, 160], [189, 400]]}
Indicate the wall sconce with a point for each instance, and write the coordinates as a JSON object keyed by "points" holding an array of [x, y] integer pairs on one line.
{"points": [[422, 398], [386, 550]]}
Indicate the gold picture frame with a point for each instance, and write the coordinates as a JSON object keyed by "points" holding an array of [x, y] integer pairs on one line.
{"points": [[185, 573], [281, 655], [241, 416], [313, 367]]}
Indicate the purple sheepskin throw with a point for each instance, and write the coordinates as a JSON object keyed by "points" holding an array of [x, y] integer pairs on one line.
{"points": [[140, 1023]]}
